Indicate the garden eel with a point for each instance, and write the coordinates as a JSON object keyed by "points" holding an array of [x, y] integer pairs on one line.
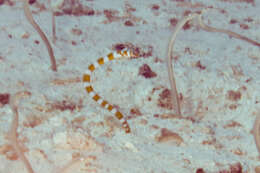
{"points": [[125, 53]]}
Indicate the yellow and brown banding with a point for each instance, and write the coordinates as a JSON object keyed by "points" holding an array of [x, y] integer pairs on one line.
{"points": [[89, 89]]}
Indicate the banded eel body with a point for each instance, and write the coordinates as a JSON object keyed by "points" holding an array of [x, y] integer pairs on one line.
{"points": [[88, 87]]}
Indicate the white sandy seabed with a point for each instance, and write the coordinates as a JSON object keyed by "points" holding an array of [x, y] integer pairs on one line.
{"points": [[61, 129]]}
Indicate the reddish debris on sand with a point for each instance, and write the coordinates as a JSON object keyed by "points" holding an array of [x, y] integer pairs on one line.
{"points": [[233, 95], [4, 98], [146, 71], [165, 99]]}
